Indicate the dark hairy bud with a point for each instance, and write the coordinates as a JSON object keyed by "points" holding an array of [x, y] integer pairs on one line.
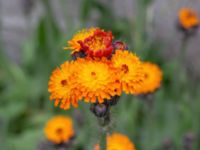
{"points": [[99, 110]]}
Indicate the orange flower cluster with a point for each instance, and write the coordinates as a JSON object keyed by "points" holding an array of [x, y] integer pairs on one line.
{"points": [[59, 129], [101, 70], [117, 141]]}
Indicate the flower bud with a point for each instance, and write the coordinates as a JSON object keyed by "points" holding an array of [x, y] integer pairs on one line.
{"points": [[188, 141], [99, 110], [119, 45], [79, 54], [167, 144], [113, 101]]}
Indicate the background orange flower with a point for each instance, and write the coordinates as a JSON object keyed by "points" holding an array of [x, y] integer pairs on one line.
{"points": [[117, 141], [59, 129]]}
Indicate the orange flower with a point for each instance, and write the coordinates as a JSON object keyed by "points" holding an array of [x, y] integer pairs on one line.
{"points": [[61, 86], [96, 80], [188, 18], [117, 141], [99, 44], [74, 43], [59, 129], [130, 70], [153, 78]]}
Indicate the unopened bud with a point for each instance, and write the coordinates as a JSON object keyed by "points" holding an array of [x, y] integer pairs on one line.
{"points": [[167, 144], [188, 141], [119, 45], [99, 110], [113, 101], [79, 54]]}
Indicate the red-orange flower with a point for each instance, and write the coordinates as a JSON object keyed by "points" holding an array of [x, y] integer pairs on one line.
{"points": [[74, 43], [97, 80], [61, 86], [99, 44], [152, 78], [129, 69]]}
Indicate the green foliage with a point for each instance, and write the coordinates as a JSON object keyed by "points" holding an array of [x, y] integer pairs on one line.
{"points": [[25, 106]]}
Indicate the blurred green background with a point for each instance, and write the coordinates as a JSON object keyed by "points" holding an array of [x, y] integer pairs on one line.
{"points": [[168, 120]]}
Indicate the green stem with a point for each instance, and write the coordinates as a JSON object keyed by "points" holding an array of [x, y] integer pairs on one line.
{"points": [[140, 24], [139, 35], [183, 49], [103, 140], [104, 124], [179, 78]]}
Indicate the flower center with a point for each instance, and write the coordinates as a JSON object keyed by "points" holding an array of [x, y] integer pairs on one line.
{"points": [[59, 131], [99, 41], [63, 82], [124, 68], [93, 73], [96, 43], [146, 76], [190, 15]]}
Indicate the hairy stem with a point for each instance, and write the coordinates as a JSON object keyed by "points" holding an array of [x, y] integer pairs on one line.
{"points": [[103, 140], [104, 123]]}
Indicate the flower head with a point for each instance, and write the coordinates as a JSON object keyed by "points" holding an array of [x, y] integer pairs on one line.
{"points": [[152, 78], [99, 44], [74, 43], [130, 70], [188, 19], [61, 86], [117, 141], [59, 129], [96, 79]]}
